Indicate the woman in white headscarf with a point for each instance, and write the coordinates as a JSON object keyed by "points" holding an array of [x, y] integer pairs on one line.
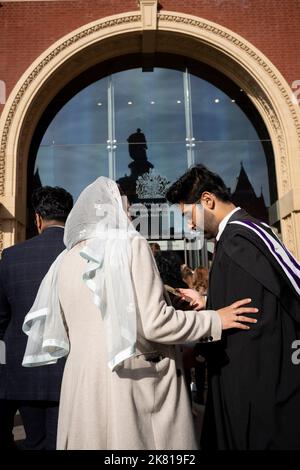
{"points": [[102, 303]]}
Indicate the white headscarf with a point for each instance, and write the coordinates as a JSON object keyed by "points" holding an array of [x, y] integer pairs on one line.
{"points": [[100, 217]]}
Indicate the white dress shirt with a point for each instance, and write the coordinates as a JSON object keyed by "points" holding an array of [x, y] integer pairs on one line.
{"points": [[225, 222]]}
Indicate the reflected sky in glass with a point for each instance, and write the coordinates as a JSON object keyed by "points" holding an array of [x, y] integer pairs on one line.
{"points": [[74, 151], [153, 102]]}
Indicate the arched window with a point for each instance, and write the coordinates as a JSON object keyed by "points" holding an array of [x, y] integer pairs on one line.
{"points": [[119, 121]]}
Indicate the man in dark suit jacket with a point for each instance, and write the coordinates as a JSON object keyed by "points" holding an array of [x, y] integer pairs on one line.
{"points": [[254, 383], [33, 391]]}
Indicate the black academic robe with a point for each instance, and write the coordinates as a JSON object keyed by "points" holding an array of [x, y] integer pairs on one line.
{"points": [[254, 386]]}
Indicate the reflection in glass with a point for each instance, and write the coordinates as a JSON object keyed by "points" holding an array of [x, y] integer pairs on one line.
{"points": [[72, 167], [243, 168], [137, 148], [73, 150], [146, 128], [154, 103]]}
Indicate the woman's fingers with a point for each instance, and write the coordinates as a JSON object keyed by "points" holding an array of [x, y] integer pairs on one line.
{"points": [[239, 303], [245, 319], [184, 291], [235, 315], [247, 310], [199, 307], [240, 326], [189, 294]]}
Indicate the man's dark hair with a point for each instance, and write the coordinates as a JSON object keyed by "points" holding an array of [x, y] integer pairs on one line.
{"points": [[194, 182], [52, 203]]}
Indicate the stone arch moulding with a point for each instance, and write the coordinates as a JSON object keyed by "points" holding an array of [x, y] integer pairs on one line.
{"points": [[103, 39]]}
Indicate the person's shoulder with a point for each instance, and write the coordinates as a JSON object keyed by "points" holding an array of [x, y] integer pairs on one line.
{"points": [[140, 243], [238, 239], [244, 232], [246, 249], [14, 250], [244, 243], [141, 251]]}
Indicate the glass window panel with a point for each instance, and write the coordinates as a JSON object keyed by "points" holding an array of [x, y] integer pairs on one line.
{"points": [[149, 108], [242, 165], [166, 159], [74, 148], [83, 120], [227, 142], [72, 167], [216, 116], [152, 101]]}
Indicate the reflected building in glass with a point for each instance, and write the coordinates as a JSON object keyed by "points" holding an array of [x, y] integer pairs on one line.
{"points": [[147, 128], [140, 92]]}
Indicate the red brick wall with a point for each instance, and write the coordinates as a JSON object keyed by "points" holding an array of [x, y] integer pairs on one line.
{"points": [[273, 26], [28, 28]]}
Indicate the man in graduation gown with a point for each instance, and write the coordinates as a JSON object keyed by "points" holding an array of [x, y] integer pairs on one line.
{"points": [[254, 384]]}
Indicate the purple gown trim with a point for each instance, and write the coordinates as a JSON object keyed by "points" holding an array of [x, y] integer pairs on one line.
{"points": [[285, 259]]}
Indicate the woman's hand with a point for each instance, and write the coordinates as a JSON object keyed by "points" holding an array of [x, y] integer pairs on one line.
{"points": [[232, 316], [196, 300]]}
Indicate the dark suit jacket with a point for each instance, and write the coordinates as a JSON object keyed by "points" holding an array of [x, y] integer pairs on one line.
{"points": [[22, 269]]}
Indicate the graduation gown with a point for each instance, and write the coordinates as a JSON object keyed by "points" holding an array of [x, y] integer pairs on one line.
{"points": [[254, 386]]}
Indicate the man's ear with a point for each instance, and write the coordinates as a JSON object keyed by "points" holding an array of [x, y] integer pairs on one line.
{"points": [[39, 222], [208, 200]]}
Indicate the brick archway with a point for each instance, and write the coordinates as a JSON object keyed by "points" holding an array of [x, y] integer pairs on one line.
{"points": [[148, 31]]}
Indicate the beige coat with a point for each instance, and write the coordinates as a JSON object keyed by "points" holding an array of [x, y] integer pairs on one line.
{"points": [[144, 405]]}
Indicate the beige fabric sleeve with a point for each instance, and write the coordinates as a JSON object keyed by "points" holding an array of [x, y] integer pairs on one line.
{"points": [[162, 323]]}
